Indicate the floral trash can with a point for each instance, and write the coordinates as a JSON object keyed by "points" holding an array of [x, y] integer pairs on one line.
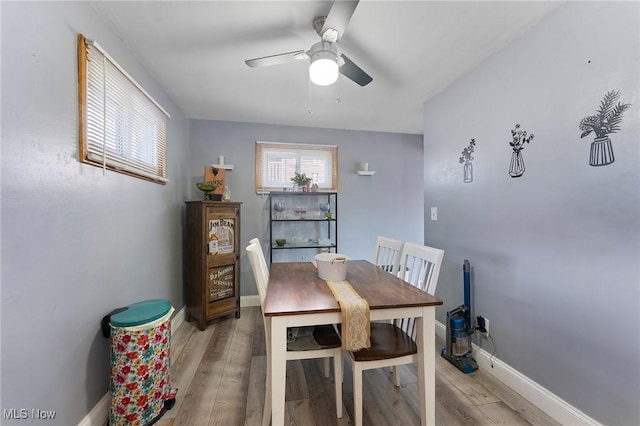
{"points": [[140, 362]]}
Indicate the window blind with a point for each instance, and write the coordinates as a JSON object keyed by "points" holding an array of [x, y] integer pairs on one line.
{"points": [[123, 128], [276, 163]]}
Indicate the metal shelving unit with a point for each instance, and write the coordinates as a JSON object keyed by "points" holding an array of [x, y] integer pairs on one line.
{"points": [[302, 222]]}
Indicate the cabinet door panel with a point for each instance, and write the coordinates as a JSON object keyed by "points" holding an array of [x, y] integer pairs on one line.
{"points": [[221, 231], [221, 282]]}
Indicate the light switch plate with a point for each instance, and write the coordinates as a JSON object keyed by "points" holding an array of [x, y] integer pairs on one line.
{"points": [[434, 213]]}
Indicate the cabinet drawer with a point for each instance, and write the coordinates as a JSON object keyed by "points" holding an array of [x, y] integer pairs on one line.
{"points": [[215, 309]]}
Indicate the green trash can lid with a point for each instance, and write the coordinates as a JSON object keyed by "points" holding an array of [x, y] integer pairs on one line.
{"points": [[141, 313]]}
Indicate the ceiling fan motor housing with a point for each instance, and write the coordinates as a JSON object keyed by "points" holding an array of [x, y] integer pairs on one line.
{"points": [[323, 69]]}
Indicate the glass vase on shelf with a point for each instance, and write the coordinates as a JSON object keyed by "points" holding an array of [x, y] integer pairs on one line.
{"points": [[279, 207]]}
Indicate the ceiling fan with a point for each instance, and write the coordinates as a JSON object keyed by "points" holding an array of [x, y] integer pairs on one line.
{"points": [[325, 63]]}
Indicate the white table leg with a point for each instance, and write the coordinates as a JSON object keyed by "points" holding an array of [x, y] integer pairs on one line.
{"points": [[426, 365], [266, 413], [278, 368]]}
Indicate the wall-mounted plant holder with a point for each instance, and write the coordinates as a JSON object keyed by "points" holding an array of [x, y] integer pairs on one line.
{"points": [[516, 167], [519, 138], [221, 164], [466, 160], [606, 120], [364, 170], [601, 152]]}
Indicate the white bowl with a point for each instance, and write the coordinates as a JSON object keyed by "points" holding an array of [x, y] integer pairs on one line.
{"points": [[332, 266]]}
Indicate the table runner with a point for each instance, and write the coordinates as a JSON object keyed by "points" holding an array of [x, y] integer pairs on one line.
{"points": [[356, 328]]}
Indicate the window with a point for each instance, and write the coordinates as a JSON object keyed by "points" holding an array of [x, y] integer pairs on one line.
{"points": [[277, 162], [121, 127]]}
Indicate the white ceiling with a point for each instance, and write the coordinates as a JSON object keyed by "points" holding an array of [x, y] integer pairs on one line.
{"points": [[412, 49]]}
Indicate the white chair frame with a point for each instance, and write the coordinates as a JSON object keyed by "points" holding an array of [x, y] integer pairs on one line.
{"points": [[420, 266], [256, 257], [387, 254]]}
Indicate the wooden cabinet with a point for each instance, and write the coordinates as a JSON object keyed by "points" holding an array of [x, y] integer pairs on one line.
{"points": [[212, 260]]}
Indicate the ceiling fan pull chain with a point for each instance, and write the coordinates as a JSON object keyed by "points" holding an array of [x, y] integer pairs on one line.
{"points": [[309, 108]]}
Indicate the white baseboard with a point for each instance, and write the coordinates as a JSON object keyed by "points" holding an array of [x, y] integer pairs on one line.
{"points": [[551, 404], [178, 319], [249, 301], [99, 414]]}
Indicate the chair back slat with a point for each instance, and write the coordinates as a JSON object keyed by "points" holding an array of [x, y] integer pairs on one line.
{"points": [[387, 255], [420, 267]]}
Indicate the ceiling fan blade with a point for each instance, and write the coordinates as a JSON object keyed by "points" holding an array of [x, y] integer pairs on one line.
{"points": [[282, 58], [337, 20], [354, 72]]}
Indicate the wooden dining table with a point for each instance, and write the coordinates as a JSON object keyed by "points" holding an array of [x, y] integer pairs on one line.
{"points": [[297, 297]]}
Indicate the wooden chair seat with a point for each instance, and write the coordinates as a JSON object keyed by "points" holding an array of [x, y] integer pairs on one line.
{"points": [[387, 341], [313, 339], [326, 336]]}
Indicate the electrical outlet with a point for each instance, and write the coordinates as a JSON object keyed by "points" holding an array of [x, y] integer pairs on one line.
{"points": [[482, 325]]}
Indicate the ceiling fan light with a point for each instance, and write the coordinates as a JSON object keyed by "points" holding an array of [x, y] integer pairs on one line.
{"points": [[323, 69]]}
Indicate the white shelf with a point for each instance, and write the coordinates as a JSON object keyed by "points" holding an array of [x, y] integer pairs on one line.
{"points": [[367, 173], [222, 166]]}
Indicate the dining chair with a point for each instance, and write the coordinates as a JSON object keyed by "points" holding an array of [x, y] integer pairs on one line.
{"points": [[387, 254], [326, 342], [393, 344], [263, 263]]}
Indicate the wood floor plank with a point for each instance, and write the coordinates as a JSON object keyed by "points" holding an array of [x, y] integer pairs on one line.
{"points": [[256, 391], [184, 367], [221, 373], [322, 392], [231, 397], [516, 402], [179, 340], [473, 389], [388, 404], [500, 413], [199, 401], [299, 412]]}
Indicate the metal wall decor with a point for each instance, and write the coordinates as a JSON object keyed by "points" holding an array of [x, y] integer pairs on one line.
{"points": [[519, 138], [466, 159], [606, 120]]}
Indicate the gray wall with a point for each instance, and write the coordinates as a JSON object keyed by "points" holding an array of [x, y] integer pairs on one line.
{"points": [[555, 253], [389, 203], [75, 243]]}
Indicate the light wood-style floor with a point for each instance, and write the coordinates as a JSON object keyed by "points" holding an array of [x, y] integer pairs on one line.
{"points": [[220, 376]]}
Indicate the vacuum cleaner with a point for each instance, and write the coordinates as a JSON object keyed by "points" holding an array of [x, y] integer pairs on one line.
{"points": [[460, 329]]}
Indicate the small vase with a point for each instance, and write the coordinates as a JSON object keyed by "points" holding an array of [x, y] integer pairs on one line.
{"points": [[601, 152], [468, 172], [516, 168]]}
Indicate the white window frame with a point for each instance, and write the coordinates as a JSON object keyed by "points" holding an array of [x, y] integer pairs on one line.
{"points": [[122, 128], [276, 163]]}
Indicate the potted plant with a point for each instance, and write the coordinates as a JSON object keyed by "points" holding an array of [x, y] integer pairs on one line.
{"points": [[519, 138], [606, 120], [302, 181]]}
